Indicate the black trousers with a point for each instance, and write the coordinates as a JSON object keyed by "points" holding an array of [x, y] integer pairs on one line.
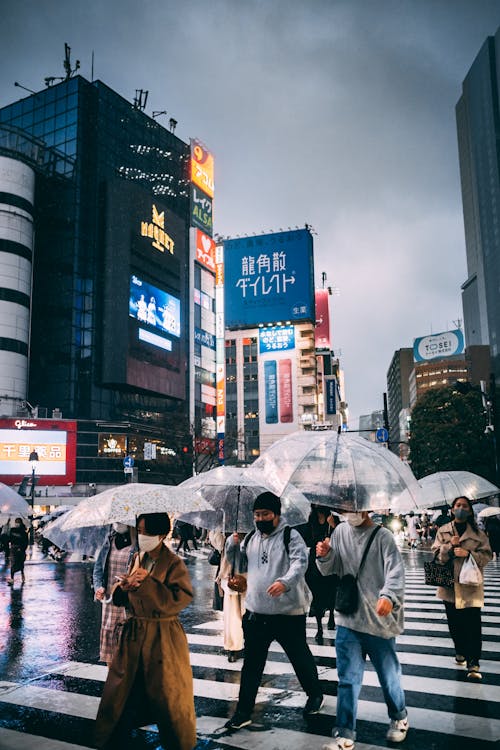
{"points": [[465, 630], [290, 632]]}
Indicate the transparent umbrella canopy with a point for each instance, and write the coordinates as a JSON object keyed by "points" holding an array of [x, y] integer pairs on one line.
{"points": [[12, 505], [230, 492], [344, 471], [443, 487]]}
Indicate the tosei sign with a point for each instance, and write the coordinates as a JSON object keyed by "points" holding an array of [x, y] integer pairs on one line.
{"points": [[438, 346]]}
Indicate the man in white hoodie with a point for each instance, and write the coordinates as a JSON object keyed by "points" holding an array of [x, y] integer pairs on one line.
{"points": [[277, 601], [372, 628]]}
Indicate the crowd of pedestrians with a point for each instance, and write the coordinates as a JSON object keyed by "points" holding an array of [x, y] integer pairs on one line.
{"points": [[270, 580]]}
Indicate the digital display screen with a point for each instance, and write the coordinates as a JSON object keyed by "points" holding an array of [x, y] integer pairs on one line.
{"points": [[155, 309], [53, 442]]}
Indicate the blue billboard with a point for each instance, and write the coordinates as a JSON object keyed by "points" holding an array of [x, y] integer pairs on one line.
{"points": [[269, 279]]}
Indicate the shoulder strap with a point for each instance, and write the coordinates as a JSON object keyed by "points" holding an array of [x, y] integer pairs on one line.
{"points": [[368, 545], [287, 533], [247, 539]]}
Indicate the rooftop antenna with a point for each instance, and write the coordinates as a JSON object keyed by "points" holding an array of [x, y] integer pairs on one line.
{"points": [[23, 87], [458, 323], [67, 62], [172, 124], [158, 112], [140, 99], [50, 80]]}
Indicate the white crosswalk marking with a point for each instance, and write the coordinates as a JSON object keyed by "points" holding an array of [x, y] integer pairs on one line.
{"points": [[441, 703]]}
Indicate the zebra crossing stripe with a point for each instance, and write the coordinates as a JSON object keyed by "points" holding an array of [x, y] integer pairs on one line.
{"points": [[12, 740]]}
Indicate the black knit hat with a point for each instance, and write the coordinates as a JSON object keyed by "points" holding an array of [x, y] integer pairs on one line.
{"points": [[268, 501]]}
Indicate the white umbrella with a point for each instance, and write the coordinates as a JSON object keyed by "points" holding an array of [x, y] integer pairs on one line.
{"points": [[489, 511], [339, 470], [443, 487], [124, 503], [230, 491], [12, 505]]}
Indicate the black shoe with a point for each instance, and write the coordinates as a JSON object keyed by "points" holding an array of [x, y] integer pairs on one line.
{"points": [[313, 705], [319, 638], [233, 656], [473, 673], [238, 721], [331, 623]]}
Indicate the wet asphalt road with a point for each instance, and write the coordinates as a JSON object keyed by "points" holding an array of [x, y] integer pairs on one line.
{"points": [[54, 618]]}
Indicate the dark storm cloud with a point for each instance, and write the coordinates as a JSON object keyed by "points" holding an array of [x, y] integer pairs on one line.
{"points": [[340, 114]]}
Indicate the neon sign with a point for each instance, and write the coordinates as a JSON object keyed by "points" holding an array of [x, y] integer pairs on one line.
{"points": [[155, 230]]}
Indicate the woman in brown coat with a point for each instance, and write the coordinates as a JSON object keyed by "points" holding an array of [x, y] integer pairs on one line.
{"points": [[150, 678], [456, 541]]}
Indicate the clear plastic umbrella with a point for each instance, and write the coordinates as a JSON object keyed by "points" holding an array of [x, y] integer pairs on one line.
{"points": [[86, 540], [230, 492], [443, 487], [339, 470], [12, 505], [489, 511]]}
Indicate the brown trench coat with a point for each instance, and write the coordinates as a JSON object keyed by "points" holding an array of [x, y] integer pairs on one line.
{"points": [[476, 542], [151, 665]]}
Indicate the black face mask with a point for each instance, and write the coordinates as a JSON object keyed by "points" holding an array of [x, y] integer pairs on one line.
{"points": [[122, 540], [265, 527]]}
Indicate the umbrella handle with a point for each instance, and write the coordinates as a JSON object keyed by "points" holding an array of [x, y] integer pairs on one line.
{"points": [[236, 523]]}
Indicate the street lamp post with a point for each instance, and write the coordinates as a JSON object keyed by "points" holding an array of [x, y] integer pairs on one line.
{"points": [[33, 461]]}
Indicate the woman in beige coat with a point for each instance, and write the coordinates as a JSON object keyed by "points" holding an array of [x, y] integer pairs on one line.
{"points": [[456, 541], [150, 678]]}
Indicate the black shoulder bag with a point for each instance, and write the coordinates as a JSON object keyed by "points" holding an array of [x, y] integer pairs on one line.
{"points": [[347, 596]]}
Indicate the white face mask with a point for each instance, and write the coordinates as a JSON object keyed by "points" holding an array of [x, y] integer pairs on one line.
{"points": [[355, 519], [148, 543]]}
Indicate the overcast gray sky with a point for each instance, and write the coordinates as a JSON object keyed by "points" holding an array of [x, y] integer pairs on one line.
{"points": [[339, 113]]}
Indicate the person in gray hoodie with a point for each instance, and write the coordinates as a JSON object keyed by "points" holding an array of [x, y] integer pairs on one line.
{"points": [[372, 628], [277, 601]]}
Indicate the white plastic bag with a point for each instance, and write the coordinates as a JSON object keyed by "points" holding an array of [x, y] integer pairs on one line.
{"points": [[470, 575]]}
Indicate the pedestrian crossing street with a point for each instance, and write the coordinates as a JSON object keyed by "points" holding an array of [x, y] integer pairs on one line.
{"points": [[56, 710]]}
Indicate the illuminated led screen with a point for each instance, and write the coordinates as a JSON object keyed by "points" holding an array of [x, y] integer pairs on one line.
{"points": [[156, 311]]}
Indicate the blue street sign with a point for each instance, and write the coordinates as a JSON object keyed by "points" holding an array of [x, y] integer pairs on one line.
{"points": [[382, 436], [128, 462]]}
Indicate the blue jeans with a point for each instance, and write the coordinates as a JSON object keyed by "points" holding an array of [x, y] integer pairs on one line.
{"points": [[352, 648]]}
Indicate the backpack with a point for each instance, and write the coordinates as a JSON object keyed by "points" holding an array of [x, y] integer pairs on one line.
{"points": [[287, 532]]}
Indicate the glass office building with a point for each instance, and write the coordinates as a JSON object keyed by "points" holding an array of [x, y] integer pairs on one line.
{"points": [[478, 127], [108, 343]]}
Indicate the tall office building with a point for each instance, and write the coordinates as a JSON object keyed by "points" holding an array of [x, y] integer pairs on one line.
{"points": [[96, 194], [276, 363], [398, 394], [478, 127]]}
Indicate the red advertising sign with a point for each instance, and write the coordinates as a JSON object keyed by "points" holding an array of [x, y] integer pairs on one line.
{"points": [[322, 332], [205, 250], [53, 441]]}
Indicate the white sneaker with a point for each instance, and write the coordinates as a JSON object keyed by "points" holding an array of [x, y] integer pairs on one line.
{"points": [[398, 729], [339, 743]]}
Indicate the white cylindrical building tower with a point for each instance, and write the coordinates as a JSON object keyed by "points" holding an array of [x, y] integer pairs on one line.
{"points": [[17, 191]]}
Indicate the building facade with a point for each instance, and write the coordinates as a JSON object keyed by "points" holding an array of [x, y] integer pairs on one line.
{"points": [[398, 395], [478, 128], [100, 204], [280, 374]]}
